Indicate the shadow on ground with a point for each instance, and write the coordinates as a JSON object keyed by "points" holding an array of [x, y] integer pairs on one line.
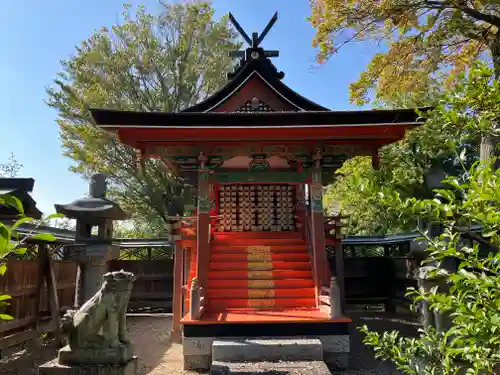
{"points": [[150, 335], [362, 361]]}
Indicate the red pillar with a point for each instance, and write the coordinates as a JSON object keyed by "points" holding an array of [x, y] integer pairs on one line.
{"points": [[203, 223], [339, 262], [300, 196], [318, 229], [178, 299], [318, 226]]}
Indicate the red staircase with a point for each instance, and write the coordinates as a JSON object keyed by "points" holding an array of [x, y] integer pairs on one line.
{"points": [[260, 271]]}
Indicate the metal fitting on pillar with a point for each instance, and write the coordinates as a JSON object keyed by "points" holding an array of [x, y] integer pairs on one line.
{"points": [[203, 161], [335, 301], [194, 299], [317, 157]]}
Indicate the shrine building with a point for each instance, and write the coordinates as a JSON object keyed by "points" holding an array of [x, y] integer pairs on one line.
{"points": [[253, 263]]}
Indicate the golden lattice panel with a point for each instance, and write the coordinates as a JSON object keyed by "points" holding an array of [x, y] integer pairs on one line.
{"points": [[256, 208]]}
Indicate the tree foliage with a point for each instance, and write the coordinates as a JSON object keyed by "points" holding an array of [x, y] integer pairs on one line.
{"points": [[425, 39], [162, 62], [449, 141], [473, 299], [12, 243]]}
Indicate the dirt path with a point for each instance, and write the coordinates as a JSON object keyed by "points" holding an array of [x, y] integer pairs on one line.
{"points": [[159, 356]]}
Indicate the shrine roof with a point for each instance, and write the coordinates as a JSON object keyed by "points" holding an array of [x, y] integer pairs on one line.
{"points": [[265, 70], [254, 97], [109, 119]]}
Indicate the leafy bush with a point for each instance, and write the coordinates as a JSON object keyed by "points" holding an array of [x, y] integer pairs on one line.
{"points": [[473, 299], [12, 243]]}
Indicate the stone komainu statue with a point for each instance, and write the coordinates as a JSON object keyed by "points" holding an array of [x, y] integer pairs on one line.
{"points": [[99, 326]]}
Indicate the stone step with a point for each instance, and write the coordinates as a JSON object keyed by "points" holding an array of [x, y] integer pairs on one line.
{"points": [[270, 368], [267, 349]]}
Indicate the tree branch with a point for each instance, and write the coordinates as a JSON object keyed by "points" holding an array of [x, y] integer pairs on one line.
{"points": [[474, 236], [489, 18]]}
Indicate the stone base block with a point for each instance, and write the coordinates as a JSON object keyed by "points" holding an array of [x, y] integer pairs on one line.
{"points": [[197, 362], [266, 368], [336, 343], [54, 368], [269, 349], [197, 345], [336, 350], [107, 356], [338, 361]]}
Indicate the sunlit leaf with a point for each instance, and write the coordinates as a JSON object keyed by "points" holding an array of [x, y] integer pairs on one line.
{"points": [[20, 222], [44, 237], [14, 202], [3, 268]]}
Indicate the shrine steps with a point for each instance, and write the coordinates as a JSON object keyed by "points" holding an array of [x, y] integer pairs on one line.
{"points": [[260, 285], [259, 270]]}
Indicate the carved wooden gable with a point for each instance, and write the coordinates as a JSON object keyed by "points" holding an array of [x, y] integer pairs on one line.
{"points": [[255, 105]]}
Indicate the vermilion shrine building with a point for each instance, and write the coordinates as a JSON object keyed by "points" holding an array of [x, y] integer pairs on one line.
{"points": [[254, 264]]}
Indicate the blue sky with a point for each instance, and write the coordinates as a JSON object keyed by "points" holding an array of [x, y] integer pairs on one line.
{"points": [[36, 35]]}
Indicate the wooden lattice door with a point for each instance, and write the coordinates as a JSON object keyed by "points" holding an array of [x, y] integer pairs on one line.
{"points": [[257, 208]]}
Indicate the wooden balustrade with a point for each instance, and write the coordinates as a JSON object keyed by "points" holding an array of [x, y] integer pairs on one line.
{"points": [[330, 299], [189, 295], [196, 300]]}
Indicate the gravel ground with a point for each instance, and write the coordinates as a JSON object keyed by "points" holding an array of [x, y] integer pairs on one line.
{"points": [[158, 356]]}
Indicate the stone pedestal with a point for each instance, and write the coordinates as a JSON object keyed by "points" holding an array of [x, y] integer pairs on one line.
{"points": [[102, 356], [92, 261], [54, 368]]}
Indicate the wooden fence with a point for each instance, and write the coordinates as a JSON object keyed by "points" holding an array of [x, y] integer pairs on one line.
{"points": [[378, 280], [368, 280], [153, 289], [39, 292]]}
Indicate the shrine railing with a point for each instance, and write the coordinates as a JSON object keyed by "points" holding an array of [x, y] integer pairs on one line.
{"points": [[185, 267]]}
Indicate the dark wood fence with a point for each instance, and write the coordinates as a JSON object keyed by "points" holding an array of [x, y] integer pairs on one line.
{"points": [[153, 289], [378, 280], [377, 270], [33, 299]]}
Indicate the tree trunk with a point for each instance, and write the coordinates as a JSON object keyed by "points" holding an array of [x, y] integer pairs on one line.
{"points": [[488, 148]]}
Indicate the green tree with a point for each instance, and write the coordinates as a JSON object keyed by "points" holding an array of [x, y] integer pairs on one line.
{"points": [[460, 118], [425, 40], [473, 299], [162, 62]]}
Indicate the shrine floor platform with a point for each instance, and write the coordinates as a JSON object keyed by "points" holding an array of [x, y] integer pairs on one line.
{"points": [[271, 322], [249, 316]]}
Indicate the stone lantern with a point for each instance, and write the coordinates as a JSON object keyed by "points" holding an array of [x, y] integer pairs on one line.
{"points": [[92, 251]]}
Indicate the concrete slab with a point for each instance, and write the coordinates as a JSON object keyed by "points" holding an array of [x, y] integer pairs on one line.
{"points": [[268, 349], [270, 368]]}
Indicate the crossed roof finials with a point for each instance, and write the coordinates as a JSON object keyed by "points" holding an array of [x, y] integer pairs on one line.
{"points": [[254, 50]]}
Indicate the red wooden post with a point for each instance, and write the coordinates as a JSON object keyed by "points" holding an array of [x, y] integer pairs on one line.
{"points": [[300, 210], [318, 225], [177, 301], [339, 262], [202, 232], [300, 196], [214, 205]]}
